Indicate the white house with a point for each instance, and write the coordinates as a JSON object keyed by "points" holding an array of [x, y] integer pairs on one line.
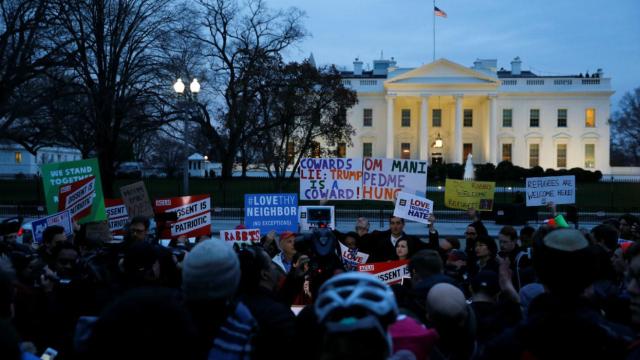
{"points": [[443, 111], [14, 159]]}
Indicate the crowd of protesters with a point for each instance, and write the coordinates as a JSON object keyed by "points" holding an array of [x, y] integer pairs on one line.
{"points": [[546, 293]]}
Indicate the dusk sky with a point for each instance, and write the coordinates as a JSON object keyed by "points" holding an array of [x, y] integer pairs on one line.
{"points": [[552, 37]]}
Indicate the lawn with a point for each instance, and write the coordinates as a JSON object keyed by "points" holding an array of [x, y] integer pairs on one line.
{"points": [[615, 197]]}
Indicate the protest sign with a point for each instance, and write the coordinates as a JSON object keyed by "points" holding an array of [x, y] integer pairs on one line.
{"points": [[391, 272], [62, 218], [351, 258], [268, 212], [382, 179], [556, 189], [57, 175], [136, 200], [313, 217], [412, 207], [193, 216], [78, 197], [330, 179], [465, 194], [246, 236], [116, 215]]}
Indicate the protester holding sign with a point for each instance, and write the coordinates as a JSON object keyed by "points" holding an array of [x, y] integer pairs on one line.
{"points": [[381, 245]]}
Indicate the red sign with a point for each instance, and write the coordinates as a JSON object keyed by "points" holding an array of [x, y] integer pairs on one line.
{"points": [[77, 197], [116, 215], [193, 216], [391, 272]]}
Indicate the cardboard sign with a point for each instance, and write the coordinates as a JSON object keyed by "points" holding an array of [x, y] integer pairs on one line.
{"points": [[78, 197], [382, 179], [136, 199], [312, 217], [246, 236], [391, 272], [193, 215], [351, 258], [412, 207], [556, 189], [57, 175], [62, 218], [464, 194], [330, 179], [268, 212], [117, 215]]}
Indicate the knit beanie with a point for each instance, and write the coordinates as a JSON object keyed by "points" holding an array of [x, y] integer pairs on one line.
{"points": [[211, 271]]}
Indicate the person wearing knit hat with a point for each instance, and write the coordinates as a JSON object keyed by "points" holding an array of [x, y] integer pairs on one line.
{"points": [[210, 279]]}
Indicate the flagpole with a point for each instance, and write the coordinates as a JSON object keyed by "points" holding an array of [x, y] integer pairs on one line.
{"points": [[433, 11]]}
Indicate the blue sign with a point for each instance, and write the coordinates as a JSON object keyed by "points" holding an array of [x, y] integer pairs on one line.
{"points": [[61, 219], [268, 212]]}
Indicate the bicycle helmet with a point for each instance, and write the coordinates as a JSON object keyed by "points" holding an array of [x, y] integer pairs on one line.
{"points": [[355, 295]]}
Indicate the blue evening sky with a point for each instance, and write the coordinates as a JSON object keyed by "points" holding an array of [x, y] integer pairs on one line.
{"points": [[552, 37]]}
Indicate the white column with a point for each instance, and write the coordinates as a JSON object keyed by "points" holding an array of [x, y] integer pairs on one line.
{"points": [[424, 127], [457, 141], [493, 123], [390, 125]]}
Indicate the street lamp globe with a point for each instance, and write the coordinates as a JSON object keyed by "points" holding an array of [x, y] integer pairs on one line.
{"points": [[179, 86], [194, 87]]}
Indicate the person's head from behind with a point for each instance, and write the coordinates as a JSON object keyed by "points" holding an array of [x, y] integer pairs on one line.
{"points": [[355, 310], [147, 323], [424, 264], [526, 236], [486, 285], [257, 270], [396, 225], [606, 236], [141, 265], [508, 238], [138, 228], [448, 244], [362, 226], [210, 273], [564, 262], [53, 235], [447, 311]]}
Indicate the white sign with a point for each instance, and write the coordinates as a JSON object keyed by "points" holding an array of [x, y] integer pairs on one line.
{"points": [[311, 217], [556, 189], [382, 179], [62, 218], [351, 258], [241, 235], [412, 207], [330, 178]]}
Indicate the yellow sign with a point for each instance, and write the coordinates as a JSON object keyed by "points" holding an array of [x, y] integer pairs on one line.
{"points": [[464, 194]]}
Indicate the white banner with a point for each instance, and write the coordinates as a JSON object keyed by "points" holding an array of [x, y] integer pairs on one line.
{"points": [[351, 258], [412, 207], [185, 226], [194, 208], [81, 192], [330, 178], [383, 178], [241, 235], [556, 189]]}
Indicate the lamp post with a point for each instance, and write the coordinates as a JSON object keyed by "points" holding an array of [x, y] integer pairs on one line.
{"points": [[194, 89], [437, 154]]}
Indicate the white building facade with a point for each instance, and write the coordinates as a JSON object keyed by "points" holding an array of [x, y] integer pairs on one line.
{"points": [[15, 160], [444, 111]]}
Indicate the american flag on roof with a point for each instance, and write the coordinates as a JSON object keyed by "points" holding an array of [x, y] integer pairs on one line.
{"points": [[439, 12]]}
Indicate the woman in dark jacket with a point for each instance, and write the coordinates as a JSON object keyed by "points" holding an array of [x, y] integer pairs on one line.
{"points": [[486, 250]]}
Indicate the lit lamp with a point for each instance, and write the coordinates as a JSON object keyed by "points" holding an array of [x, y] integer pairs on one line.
{"points": [[179, 88], [436, 156]]}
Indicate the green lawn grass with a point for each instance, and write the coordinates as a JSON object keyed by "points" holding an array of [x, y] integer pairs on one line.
{"points": [[614, 197]]}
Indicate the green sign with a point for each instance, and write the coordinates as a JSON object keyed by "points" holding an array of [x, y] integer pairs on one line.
{"points": [[60, 174]]}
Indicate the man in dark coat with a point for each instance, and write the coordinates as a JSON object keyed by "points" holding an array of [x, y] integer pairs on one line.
{"points": [[381, 245]]}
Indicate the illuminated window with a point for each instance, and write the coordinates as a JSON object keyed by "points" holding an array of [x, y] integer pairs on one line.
{"points": [[506, 152], [534, 155], [534, 118], [342, 150], [18, 157], [507, 117], [562, 156], [467, 120], [437, 117], [562, 117], [367, 149], [367, 117], [590, 117], [590, 156], [406, 117], [405, 151]]}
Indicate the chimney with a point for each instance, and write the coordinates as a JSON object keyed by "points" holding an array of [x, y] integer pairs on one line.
{"points": [[516, 66], [357, 67]]}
